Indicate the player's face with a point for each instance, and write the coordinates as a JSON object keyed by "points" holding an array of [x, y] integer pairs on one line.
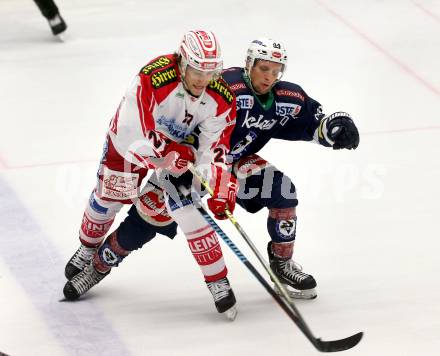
{"points": [[264, 74], [196, 81]]}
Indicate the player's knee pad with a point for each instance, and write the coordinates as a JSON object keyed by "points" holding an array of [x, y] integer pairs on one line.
{"points": [[281, 224], [151, 206], [249, 165]]}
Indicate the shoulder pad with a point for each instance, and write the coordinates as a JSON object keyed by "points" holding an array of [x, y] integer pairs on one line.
{"points": [[231, 70], [234, 78], [289, 90], [232, 74], [164, 77], [220, 87], [158, 63]]}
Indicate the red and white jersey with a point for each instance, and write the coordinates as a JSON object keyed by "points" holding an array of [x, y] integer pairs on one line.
{"points": [[156, 109]]}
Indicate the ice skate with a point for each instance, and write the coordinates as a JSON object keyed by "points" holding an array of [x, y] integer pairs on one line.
{"points": [[299, 285], [82, 282], [224, 297], [296, 293], [78, 261], [57, 25]]}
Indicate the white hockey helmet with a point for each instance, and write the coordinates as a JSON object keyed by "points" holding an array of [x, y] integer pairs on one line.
{"points": [[267, 50], [200, 49]]}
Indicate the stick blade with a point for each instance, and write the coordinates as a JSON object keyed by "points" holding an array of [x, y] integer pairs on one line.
{"points": [[339, 345]]}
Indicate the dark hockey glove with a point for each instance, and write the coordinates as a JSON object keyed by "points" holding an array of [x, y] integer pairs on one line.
{"points": [[342, 131]]}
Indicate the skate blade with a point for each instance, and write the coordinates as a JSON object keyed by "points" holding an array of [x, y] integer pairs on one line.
{"points": [[231, 313], [60, 38], [298, 294]]}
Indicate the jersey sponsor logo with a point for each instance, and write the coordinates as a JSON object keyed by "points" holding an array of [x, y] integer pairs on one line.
{"points": [[286, 109], [170, 126], [222, 89], [240, 147], [245, 102], [237, 86], [293, 94], [161, 62], [159, 79], [260, 123]]}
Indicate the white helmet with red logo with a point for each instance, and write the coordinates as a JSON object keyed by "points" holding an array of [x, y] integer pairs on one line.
{"points": [[267, 50], [200, 49]]}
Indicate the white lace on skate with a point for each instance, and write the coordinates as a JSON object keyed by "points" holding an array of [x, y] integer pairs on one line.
{"points": [[293, 271], [82, 256], [219, 289], [86, 279]]}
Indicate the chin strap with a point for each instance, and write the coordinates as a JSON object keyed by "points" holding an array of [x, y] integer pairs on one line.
{"points": [[247, 79]]}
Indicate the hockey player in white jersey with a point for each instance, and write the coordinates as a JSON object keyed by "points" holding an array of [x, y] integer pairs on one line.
{"points": [[267, 108], [171, 96]]}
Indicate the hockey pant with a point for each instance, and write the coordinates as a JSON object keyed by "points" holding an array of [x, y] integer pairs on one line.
{"points": [[263, 185], [118, 184]]}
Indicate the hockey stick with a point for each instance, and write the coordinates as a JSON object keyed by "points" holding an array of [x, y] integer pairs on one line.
{"points": [[285, 303]]}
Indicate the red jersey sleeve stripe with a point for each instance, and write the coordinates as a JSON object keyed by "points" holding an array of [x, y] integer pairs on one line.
{"points": [[145, 115]]}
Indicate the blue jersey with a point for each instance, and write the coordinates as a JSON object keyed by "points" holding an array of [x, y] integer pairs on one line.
{"points": [[290, 114]]}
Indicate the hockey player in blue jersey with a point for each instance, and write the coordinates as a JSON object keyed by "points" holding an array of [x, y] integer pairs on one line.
{"points": [[267, 108]]}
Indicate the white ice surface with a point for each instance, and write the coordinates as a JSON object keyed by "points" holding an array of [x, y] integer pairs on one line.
{"points": [[367, 219]]}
